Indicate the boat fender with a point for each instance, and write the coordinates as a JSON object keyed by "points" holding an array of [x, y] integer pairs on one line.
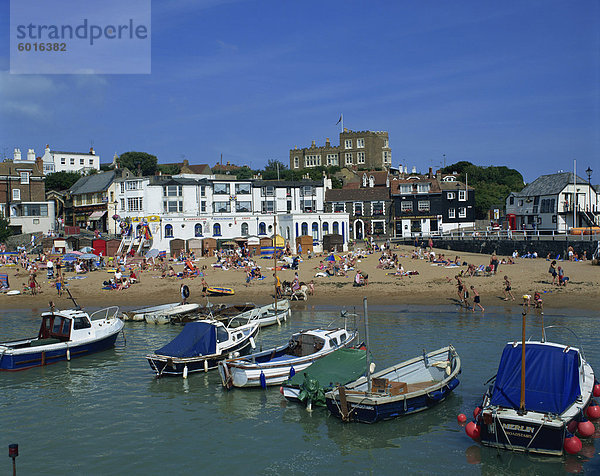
{"points": [[185, 371], [572, 445], [572, 426], [68, 354], [292, 371], [372, 367], [473, 430], [586, 428], [206, 365], [593, 412], [263, 380], [476, 412], [252, 343], [597, 390]]}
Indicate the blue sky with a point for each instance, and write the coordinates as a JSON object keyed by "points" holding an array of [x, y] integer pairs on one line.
{"points": [[512, 83]]}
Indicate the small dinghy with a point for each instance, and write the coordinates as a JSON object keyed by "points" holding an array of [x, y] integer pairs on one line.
{"points": [[407, 387], [164, 317], [63, 335], [200, 346], [140, 314], [219, 291], [267, 315], [541, 395], [274, 366]]}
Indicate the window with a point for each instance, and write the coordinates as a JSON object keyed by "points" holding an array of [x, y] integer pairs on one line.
{"points": [[24, 178], [547, 205], [243, 206], [72, 161], [307, 191], [348, 158], [133, 185], [268, 191], [91, 161], [338, 207], [336, 228], [406, 206], [34, 210], [16, 194], [242, 189], [262, 228], [168, 231], [315, 231], [122, 187], [423, 187], [122, 204], [462, 195], [332, 159], [450, 195], [63, 161], [81, 162], [387, 157], [386, 142], [378, 227], [358, 208], [312, 160], [296, 162], [451, 213], [360, 143], [462, 212], [424, 206], [172, 191], [203, 206], [511, 200], [198, 229], [268, 207], [325, 228], [520, 203], [360, 157], [203, 190], [377, 208], [221, 189], [308, 206], [173, 206], [304, 229], [216, 229], [348, 143], [134, 204], [405, 188], [222, 207], [289, 206], [245, 231]]}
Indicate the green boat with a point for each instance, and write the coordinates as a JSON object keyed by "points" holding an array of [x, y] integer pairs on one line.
{"points": [[338, 368]]}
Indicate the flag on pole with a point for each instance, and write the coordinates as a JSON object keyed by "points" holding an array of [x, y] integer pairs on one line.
{"points": [[340, 119]]}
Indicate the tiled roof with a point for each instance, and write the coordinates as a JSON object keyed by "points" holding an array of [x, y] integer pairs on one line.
{"points": [[200, 169], [357, 194], [93, 183], [549, 184]]}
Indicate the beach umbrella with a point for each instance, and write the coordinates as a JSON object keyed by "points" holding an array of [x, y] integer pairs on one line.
{"points": [[88, 256], [153, 253], [76, 253], [87, 249], [69, 258], [333, 257]]}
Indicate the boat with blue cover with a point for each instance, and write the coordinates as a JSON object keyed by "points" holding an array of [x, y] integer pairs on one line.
{"points": [[274, 366], [408, 387], [537, 403], [200, 346], [63, 335]]}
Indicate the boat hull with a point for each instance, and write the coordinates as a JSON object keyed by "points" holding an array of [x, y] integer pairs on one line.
{"points": [[41, 357], [365, 412]]}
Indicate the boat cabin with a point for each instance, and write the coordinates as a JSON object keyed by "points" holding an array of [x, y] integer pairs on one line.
{"points": [[307, 343], [58, 326]]}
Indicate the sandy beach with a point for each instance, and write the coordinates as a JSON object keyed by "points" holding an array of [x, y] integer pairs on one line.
{"points": [[433, 285]]}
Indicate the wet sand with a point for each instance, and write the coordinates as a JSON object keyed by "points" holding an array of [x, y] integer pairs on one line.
{"points": [[433, 285]]}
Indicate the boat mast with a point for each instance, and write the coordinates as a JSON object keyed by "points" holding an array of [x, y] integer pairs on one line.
{"points": [[522, 405], [275, 253], [367, 343]]}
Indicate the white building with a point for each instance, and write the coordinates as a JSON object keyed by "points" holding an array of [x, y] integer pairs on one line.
{"points": [[192, 208], [60, 161]]}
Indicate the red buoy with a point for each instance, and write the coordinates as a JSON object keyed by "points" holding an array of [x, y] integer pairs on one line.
{"points": [[469, 428], [461, 418], [476, 412], [572, 426], [477, 433], [586, 428], [573, 445], [281, 390], [597, 390], [593, 412]]}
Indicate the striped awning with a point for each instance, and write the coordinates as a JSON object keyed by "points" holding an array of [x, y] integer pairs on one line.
{"points": [[97, 215]]}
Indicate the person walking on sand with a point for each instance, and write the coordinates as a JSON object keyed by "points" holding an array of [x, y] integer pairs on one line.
{"points": [[460, 287], [466, 296], [204, 287], [552, 271], [507, 289], [476, 299], [277, 286]]}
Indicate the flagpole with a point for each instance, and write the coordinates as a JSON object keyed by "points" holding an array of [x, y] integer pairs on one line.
{"points": [[342, 116]]}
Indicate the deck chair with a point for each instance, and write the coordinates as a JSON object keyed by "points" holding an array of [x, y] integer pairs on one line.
{"points": [[4, 282]]}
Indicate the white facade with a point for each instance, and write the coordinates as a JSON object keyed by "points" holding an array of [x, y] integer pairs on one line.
{"points": [[58, 161], [33, 217], [186, 208]]}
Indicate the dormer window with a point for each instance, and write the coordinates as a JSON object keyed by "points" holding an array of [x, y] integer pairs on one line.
{"points": [[371, 181], [423, 187], [364, 181]]}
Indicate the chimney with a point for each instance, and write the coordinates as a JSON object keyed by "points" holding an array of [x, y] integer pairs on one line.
{"points": [[414, 170], [327, 143], [345, 129], [17, 155], [405, 169], [30, 155], [92, 152], [430, 172], [185, 162], [312, 144]]}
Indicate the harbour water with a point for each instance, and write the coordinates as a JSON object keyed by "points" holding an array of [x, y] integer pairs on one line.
{"points": [[107, 414]]}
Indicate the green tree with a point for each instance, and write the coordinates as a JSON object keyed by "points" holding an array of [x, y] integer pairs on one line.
{"points": [[169, 169], [244, 173], [5, 230], [132, 160], [492, 184], [60, 181]]}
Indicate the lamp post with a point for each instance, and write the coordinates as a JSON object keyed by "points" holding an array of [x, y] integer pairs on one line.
{"points": [[589, 174]]}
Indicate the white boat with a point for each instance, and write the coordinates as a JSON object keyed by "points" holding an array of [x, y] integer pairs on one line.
{"points": [[63, 335], [268, 315], [140, 314], [164, 317], [274, 366]]}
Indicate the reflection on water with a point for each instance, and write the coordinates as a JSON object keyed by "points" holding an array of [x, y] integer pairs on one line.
{"points": [[107, 413]]}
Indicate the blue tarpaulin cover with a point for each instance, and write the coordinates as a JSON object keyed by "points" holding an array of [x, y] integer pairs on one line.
{"points": [[551, 378], [196, 338]]}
